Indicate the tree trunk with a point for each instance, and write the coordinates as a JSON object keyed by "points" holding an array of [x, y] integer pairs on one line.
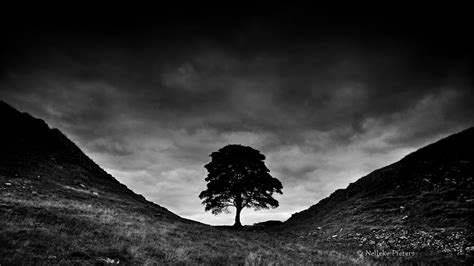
{"points": [[238, 207], [237, 218]]}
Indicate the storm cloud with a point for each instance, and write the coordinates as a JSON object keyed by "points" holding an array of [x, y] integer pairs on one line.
{"points": [[327, 100]]}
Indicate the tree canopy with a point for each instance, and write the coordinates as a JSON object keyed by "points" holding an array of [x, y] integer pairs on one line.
{"points": [[237, 177]]}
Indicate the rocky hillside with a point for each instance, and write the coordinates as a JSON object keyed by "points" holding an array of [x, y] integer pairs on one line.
{"points": [[424, 202]]}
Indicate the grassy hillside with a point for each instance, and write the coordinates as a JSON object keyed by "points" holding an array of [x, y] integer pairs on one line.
{"points": [[58, 207]]}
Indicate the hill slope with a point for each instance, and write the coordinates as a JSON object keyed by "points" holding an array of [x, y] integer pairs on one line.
{"points": [[41, 162], [424, 202]]}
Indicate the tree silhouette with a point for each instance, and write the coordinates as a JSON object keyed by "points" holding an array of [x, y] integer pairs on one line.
{"points": [[237, 177]]}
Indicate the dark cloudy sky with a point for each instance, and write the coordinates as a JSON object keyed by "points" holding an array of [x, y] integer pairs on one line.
{"points": [[328, 95]]}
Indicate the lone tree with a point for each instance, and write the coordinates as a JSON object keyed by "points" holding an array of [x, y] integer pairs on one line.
{"points": [[238, 178]]}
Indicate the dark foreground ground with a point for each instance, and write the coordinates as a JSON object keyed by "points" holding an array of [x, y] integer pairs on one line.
{"points": [[96, 228]]}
